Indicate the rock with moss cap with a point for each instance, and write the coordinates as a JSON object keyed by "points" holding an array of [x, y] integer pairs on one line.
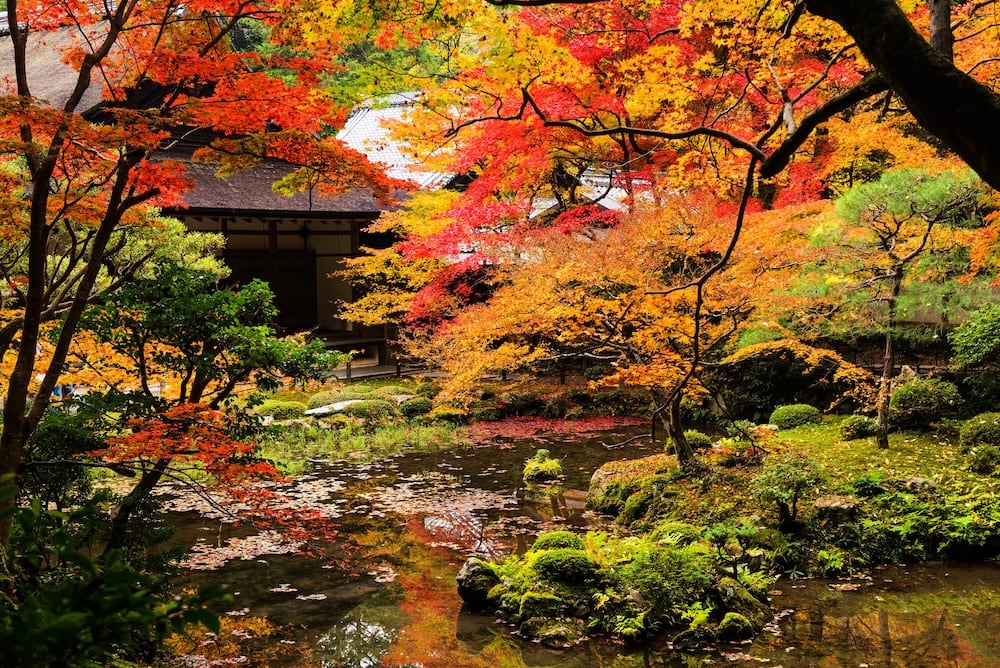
{"points": [[475, 580]]}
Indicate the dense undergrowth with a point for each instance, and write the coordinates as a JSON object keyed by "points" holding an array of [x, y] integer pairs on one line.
{"points": [[705, 547]]}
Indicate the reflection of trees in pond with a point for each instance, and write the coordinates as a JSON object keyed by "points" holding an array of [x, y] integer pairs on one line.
{"points": [[889, 638], [361, 638]]}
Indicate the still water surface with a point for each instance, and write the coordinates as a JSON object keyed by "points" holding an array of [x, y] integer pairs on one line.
{"points": [[384, 595]]}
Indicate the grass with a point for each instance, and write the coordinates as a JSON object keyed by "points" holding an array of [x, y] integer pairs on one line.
{"points": [[292, 447], [910, 455]]}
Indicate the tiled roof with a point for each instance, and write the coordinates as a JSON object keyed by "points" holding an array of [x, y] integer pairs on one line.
{"points": [[50, 78], [250, 190], [365, 131]]}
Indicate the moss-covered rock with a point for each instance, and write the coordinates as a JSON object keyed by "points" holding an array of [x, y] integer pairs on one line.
{"points": [[734, 627], [556, 539], [693, 639], [541, 467], [476, 581], [613, 483], [734, 597], [539, 604], [557, 632]]}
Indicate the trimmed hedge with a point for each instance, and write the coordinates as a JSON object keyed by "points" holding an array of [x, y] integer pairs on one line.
{"points": [[917, 403], [281, 410], [794, 415], [858, 426], [984, 429]]}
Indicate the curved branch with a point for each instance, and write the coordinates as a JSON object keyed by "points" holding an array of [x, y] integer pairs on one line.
{"points": [[778, 160], [947, 102], [730, 139]]}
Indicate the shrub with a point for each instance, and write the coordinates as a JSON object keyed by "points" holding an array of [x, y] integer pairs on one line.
{"points": [[697, 440], [854, 427], [917, 403], [555, 539], [794, 415], [785, 479], [290, 395], [416, 406], [984, 459], [566, 565], [327, 397], [487, 411], [281, 410], [869, 485], [449, 414], [390, 392], [428, 390], [374, 412], [984, 429]]}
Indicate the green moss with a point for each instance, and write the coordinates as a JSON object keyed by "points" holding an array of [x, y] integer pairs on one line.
{"points": [[556, 539], [541, 467], [734, 627], [566, 565], [613, 483], [733, 597], [539, 604]]}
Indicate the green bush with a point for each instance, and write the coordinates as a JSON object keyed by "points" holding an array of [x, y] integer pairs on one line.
{"points": [[697, 440], [390, 392], [984, 459], [416, 406], [281, 410], [984, 429], [917, 403], [551, 540], [566, 565], [794, 415], [854, 427], [785, 479], [374, 412], [449, 414], [290, 395], [487, 411], [327, 397]]}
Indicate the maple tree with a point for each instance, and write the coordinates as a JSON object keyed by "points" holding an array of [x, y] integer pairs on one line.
{"points": [[929, 73], [74, 171], [629, 297], [553, 106]]}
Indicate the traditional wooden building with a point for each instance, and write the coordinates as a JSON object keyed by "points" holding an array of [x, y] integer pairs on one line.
{"points": [[298, 244]]}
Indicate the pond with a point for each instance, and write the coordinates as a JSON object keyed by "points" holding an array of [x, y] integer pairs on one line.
{"points": [[383, 593]]}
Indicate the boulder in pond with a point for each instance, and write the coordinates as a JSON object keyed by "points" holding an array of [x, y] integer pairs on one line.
{"points": [[734, 627], [475, 580]]}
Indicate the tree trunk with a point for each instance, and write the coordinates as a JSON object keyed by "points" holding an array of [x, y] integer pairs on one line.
{"points": [[948, 103], [118, 531], [888, 363], [942, 38], [670, 416]]}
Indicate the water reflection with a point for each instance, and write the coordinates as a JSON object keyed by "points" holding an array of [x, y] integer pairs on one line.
{"points": [[945, 615], [408, 522]]}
